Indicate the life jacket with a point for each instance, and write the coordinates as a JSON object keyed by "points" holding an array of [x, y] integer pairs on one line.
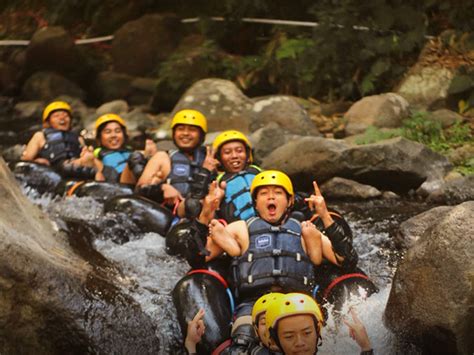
{"points": [[275, 257], [238, 203], [182, 168], [60, 146], [116, 159]]}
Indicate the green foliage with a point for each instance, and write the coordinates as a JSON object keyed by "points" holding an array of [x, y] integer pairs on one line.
{"points": [[420, 129], [374, 135]]}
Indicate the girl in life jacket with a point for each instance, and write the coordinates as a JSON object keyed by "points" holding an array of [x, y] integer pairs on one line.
{"points": [[56, 145], [234, 152], [183, 173], [115, 161]]}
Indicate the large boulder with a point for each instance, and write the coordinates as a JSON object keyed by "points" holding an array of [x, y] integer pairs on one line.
{"points": [[285, 111], [53, 49], [53, 301], [223, 104], [432, 297], [383, 111], [46, 86], [268, 138], [8, 79], [150, 40], [308, 158], [396, 164]]}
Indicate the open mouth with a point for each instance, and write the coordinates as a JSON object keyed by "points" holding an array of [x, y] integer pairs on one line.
{"points": [[271, 208]]}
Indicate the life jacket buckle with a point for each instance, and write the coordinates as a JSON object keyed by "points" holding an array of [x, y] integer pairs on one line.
{"points": [[274, 228], [250, 279], [250, 257], [305, 280], [298, 257], [276, 272], [276, 252]]}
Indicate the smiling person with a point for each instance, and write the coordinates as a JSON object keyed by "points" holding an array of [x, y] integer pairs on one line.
{"points": [[113, 155], [186, 170], [273, 252], [234, 152], [56, 145]]}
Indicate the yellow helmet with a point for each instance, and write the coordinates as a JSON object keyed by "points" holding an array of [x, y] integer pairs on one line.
{"points": [[55, 106], [272, 177], [190, 117], [229, 136], [292, 304], [109, 117], [261, 305]]}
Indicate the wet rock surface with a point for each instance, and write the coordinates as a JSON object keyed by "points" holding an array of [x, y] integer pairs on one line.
{"points": [[57, 295], [431, 299]]}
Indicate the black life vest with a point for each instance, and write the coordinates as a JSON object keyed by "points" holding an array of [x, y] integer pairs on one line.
{"points": [[182, 168], [60, 146], [238, 203], [275, 257]]}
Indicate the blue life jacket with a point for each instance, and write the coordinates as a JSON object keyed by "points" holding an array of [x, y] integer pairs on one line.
{"points": [[238, 204], [116, 159], [60, 146], [183, 169], [275, 257]]}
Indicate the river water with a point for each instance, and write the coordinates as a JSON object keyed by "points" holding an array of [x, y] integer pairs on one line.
{"points": [[152, 273]]}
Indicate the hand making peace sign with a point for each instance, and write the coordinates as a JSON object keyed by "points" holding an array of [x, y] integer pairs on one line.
{"points": [[210, 162]]}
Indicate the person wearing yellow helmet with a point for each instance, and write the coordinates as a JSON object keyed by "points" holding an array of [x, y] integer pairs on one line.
{"points": [[178, 171], [295, 322], [56, 145], [272, 251], [259, 321], [234, 152]]}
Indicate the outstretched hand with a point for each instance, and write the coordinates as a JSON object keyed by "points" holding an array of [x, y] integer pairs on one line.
{"points": [[210, 162], [317, 204], [357, 331], [196, 329]]}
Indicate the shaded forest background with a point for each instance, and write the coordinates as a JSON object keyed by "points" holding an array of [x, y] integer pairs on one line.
{"points": [[358, 49]]}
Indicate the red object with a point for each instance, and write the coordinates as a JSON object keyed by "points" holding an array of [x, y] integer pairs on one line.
{"points": [[212, 273], [339, 279]]}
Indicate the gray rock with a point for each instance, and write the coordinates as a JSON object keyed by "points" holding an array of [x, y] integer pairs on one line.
{"points": [[431, 299], [46, 86], [383, 111], [412, 229], [285, 111], [53, 300], [223, 104], [29, 110], [151, 39], [340, 188], [266, 139], [8, 79], [12, 153], [308, 158], [396, 164], [118, 107], [454, 191]]}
